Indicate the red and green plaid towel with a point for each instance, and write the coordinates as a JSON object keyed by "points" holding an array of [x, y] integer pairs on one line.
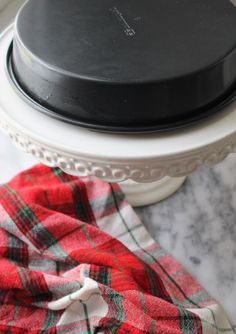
{"points": [[75, 258]]}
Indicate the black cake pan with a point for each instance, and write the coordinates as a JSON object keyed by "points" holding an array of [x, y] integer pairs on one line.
{"points": [[125, 65]]}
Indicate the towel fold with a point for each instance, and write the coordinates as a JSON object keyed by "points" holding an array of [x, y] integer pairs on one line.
{"points": [[75, 258]]}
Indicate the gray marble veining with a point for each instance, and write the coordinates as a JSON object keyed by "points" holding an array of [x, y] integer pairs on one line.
{"points": [[197, 225]]}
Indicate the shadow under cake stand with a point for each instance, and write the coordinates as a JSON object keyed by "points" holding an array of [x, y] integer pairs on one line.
{"points": [[149, 167]]}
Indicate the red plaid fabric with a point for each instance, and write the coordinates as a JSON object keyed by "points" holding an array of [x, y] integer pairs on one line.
{"points": [[75, 258]]}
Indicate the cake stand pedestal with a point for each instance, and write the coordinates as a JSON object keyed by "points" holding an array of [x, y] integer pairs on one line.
{"points": [[139, 194], [149, 167]]}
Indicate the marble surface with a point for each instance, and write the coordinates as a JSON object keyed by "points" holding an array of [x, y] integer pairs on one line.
{"points": [[197, 225]]}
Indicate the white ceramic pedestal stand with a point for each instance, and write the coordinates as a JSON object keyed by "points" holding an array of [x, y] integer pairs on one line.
{"points": [[139, 194], [155, 164]]}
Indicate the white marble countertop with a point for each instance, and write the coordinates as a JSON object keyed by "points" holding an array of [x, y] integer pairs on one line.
{"points": [[197, 225]]}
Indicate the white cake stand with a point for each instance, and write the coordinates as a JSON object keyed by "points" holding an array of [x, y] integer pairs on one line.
{"points": [[149, 167]]}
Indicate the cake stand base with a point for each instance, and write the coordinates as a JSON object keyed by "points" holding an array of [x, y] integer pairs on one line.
{"points": [[140, 194]]}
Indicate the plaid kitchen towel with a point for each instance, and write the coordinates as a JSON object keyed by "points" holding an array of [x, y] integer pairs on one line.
{"points": [[75, 258]]}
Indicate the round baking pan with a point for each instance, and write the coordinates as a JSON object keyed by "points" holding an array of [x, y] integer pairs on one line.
{"points": [[125, 66]]}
